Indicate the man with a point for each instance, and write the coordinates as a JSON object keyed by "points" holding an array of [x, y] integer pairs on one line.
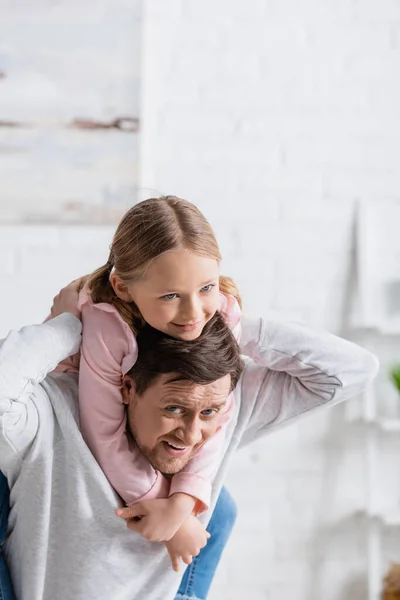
{"points": [[65, 541]]}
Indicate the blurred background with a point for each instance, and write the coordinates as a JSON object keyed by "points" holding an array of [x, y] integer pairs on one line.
{"points": [[281, 121]]}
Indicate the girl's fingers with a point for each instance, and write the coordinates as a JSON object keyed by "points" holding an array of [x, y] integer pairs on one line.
{"points": [[136, 526], [175, 561], [130, 512]]}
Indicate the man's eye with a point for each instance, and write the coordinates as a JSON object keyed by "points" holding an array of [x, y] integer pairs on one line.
{"points": [[173, 409], [209, 412], [207, 288], [169, 297]]}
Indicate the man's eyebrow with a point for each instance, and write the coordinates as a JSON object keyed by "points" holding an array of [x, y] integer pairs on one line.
{"points": [[219, 404], [182, 402]]}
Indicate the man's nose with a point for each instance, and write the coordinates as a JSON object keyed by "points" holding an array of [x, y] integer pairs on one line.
{"points": [[191, 432]]}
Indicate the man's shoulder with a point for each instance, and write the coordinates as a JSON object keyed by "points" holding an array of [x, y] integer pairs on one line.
{"points": [[251, 379], [248, 386], [61, 390]]}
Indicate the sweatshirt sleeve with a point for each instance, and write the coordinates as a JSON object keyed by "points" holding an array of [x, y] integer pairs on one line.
{"points": [[26, 357], [108, 350], [293, 370]]}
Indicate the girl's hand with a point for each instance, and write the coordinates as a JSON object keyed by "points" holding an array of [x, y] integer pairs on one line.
{"points": [[67, 299], [187, 542], [158, 520]]}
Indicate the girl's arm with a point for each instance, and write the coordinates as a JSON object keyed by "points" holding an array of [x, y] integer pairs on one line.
{"points": [[108, 345]]}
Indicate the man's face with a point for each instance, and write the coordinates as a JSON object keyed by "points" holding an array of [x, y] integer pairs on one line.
{"points": [[172, 419]]}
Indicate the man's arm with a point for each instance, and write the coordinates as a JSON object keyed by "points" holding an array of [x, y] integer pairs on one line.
{"points": [[295, 369], [26, 357]]}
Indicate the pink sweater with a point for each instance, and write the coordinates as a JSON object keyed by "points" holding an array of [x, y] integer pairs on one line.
{"points": [[108, 351]]}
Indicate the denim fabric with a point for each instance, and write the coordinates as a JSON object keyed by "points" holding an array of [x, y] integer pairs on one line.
{"points": [[6, 592], [198, 576]]}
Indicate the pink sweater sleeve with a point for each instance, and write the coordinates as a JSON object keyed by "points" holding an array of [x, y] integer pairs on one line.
{"points": [[197, 477], [108, 350]]}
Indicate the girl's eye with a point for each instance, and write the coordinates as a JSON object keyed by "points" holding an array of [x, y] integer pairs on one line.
{"points": [[174, 410], [209, 412], [207, 288], [169, 297]]}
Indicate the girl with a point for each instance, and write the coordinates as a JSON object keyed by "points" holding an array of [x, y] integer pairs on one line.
{"points": [[163, 269]]}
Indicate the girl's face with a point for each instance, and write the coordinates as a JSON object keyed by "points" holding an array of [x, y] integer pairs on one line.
{"points": [[178, 294]]}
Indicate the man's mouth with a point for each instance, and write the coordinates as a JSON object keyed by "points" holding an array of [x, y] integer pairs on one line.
{"points": [[175, 449]]}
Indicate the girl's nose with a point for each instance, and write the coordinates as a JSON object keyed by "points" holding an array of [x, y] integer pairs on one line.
{"points": [[191, 310]]}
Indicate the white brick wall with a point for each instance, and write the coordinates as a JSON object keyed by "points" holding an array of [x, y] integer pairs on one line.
{"points": [[274, 117]]}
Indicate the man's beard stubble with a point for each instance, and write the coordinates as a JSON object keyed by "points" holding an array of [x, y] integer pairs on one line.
{"points": [[166, 466]]}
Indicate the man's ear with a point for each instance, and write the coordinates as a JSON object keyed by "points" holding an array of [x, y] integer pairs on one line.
{"points": [[127, 389], [120, 288]]}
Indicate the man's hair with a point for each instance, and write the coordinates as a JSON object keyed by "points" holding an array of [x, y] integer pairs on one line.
{"points": [[214, 354]]}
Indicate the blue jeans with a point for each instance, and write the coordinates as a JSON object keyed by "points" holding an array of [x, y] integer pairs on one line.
{"points": [[198, 576], [6, 592]]}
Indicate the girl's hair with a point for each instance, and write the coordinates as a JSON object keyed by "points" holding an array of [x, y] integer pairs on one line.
{"points": [[146, 231]]}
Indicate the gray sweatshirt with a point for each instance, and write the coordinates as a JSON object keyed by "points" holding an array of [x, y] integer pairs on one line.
{"points": [[64, 541]]}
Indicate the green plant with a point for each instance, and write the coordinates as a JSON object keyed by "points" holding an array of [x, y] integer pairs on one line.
{"points": [[395, 376]]}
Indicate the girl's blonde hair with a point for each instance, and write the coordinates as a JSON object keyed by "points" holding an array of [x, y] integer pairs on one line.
{"points": [[146, 231]]}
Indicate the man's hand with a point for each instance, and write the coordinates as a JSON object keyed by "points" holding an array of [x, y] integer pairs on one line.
{"points": [[66, 300], [158, 520], [187, 542]]}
